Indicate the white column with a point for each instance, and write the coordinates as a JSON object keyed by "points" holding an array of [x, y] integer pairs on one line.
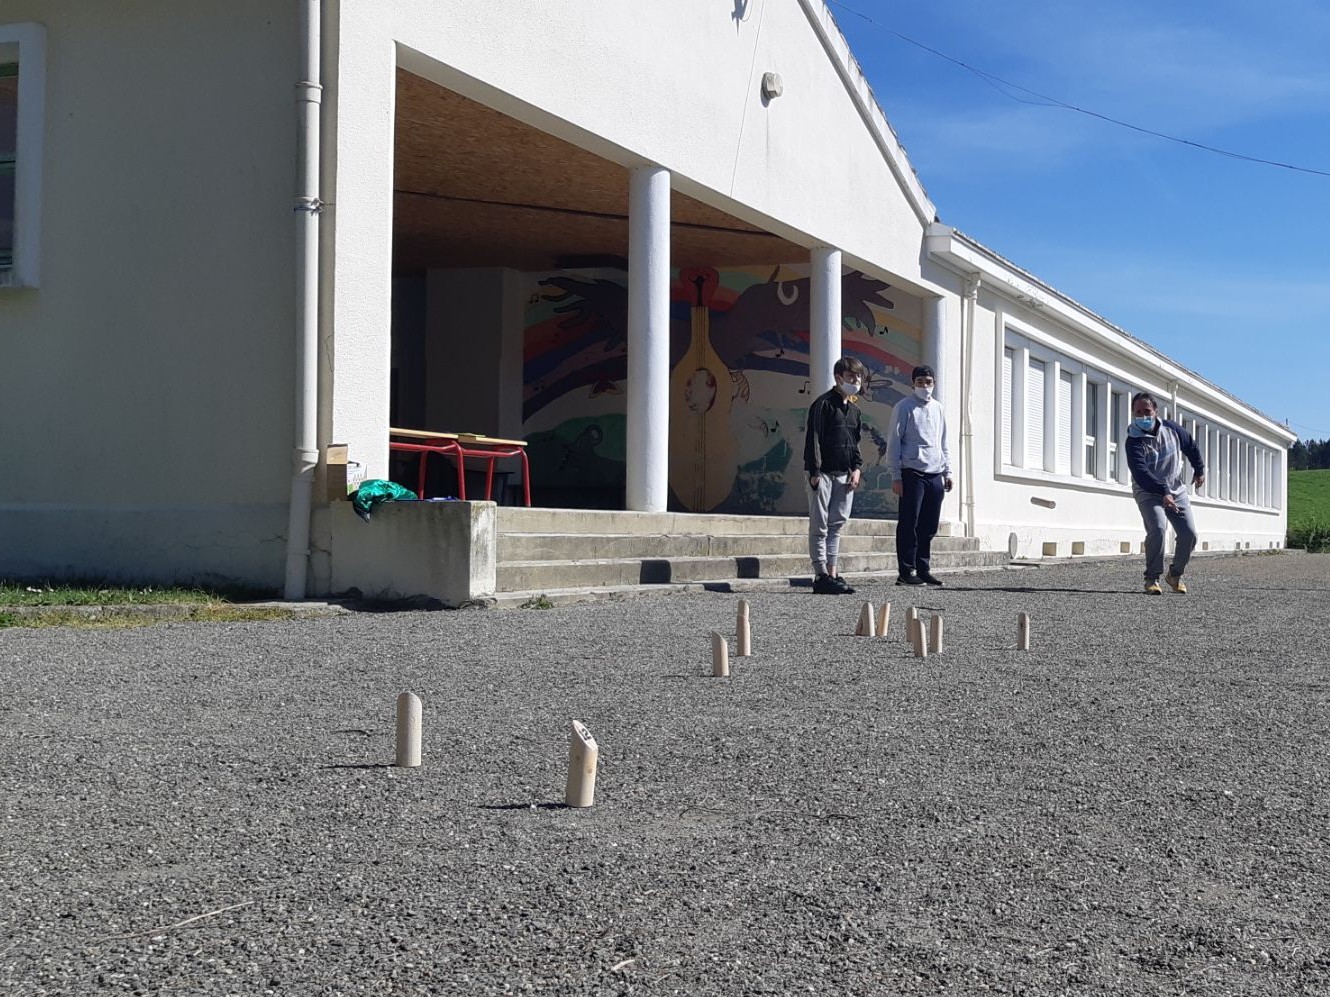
{"points": [[934, 352], [648, 457], [824, 320]]}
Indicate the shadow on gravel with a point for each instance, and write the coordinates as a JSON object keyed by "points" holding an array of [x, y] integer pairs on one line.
{"points": [[362, 765], [1027, 589], [522, 806]]}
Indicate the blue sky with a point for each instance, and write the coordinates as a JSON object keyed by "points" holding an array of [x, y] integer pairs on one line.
{"points": [[1218, 263]]}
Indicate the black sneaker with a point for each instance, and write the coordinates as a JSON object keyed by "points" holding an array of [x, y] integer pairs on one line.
{"points": [[826, 585], [842, 584], [929, 579], [909, 579]]}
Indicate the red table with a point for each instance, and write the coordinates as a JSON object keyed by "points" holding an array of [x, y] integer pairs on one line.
{"points": [[461, 446]]}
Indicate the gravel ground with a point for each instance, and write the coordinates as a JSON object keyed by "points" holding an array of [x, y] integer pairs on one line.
{"points": [[1138, 805]]}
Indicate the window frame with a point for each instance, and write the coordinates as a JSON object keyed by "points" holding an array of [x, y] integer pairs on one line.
{"points": [[25, 45]]}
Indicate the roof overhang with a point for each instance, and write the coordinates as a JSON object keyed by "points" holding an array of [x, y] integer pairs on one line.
{"points": [[971, 260]]}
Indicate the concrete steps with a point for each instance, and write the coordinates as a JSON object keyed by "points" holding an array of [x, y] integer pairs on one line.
{"points": [[599, 553]]}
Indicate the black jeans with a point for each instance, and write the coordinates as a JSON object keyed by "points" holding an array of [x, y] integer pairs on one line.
{"points": [[920, 510]]}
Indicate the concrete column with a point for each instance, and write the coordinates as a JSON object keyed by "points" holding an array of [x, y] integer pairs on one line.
{"points": [[933, 346], [824, 325], [648, 457]]}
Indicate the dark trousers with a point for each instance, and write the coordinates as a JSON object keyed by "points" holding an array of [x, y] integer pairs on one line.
{"points": [[920, 510]]}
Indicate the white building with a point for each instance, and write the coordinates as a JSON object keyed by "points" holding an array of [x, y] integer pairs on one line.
{"points": [[238, 232]]}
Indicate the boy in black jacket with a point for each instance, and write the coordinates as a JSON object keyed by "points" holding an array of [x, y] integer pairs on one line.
{"points": [[833, 463]]}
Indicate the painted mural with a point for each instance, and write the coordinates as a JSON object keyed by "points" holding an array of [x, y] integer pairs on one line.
{"points": [[739, 385]]}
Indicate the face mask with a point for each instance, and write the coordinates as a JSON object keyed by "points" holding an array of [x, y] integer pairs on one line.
{"points": [[923, 394], [1145, 422], [847, 387]]}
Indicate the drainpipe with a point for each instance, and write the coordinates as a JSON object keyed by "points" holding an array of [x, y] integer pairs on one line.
{"points": [[968, 308], [305, 456]]}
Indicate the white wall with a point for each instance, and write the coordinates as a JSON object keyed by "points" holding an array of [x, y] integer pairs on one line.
{"points": [[674, 84], [146, 386], [1101, 514]]}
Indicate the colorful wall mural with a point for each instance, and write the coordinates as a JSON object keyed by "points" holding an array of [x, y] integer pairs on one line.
{"points": [[739, 388]]}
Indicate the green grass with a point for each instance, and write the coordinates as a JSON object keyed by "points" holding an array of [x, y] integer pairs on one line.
{"points": [[1309, 509], [207, 612], [20, 593]]}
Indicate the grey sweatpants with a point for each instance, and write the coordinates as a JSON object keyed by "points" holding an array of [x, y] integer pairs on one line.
{"points": [[1157, 519], [828, 512]]}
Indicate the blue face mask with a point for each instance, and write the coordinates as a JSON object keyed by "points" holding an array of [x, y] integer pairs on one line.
{"points": [[1145, 422]]}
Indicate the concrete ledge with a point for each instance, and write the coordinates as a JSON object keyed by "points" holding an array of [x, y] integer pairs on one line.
{"points": [[438, 550]]}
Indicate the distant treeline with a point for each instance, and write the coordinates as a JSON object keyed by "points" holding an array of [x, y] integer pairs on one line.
{"points": [[1310, 456]]}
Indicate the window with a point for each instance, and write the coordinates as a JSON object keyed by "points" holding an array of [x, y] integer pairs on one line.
{"points": [[1117, 421], [1034, 414], [1092, 391], [1008, 362], [22, 93]]}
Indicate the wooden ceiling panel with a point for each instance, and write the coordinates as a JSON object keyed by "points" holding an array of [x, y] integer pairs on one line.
{"points": [[475, 187]]}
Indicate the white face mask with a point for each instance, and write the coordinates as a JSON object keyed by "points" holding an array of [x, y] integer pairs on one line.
{"points": [[847, 387], [923, 394]]}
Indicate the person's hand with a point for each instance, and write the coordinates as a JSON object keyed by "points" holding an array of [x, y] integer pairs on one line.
{"points": [[1198, 481], [896, 488], [856, 479], [1170, 504], [813, 481], [946, 484]]}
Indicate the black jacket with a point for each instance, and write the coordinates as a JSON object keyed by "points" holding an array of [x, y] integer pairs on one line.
{"points": [[831, 443]]}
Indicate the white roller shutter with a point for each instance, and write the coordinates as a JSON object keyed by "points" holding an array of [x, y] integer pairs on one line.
{"points": [[1034, 415], [1064, 423]]}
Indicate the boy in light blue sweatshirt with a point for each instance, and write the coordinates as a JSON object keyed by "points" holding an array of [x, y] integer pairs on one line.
{"points": [[920, 466]]}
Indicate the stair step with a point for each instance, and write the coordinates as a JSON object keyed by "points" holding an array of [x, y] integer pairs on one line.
{"points": [[574, 546], [538, 575], [544, 598], [520, 519]]}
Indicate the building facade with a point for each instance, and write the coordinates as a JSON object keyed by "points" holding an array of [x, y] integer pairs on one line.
{"points": [[636, 236]]}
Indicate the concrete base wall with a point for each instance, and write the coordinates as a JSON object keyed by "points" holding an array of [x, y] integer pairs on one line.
{"points": [[203, 545], [440, 550]]}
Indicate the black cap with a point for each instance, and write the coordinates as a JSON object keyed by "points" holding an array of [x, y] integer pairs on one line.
{"points": [[923, 371]]}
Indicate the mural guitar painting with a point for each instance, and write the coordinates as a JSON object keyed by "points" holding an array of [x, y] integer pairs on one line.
{"points": [[702, 447]]}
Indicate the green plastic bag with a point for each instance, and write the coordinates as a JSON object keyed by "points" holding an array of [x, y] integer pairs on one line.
{"points": [[377, 490]]}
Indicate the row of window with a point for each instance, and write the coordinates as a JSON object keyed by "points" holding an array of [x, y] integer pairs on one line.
{"points": [[1059, 417]]}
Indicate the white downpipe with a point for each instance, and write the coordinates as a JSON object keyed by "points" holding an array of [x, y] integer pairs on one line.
{"points": [[648, 455], [305, 456], [970, 304], [824, 340]]}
